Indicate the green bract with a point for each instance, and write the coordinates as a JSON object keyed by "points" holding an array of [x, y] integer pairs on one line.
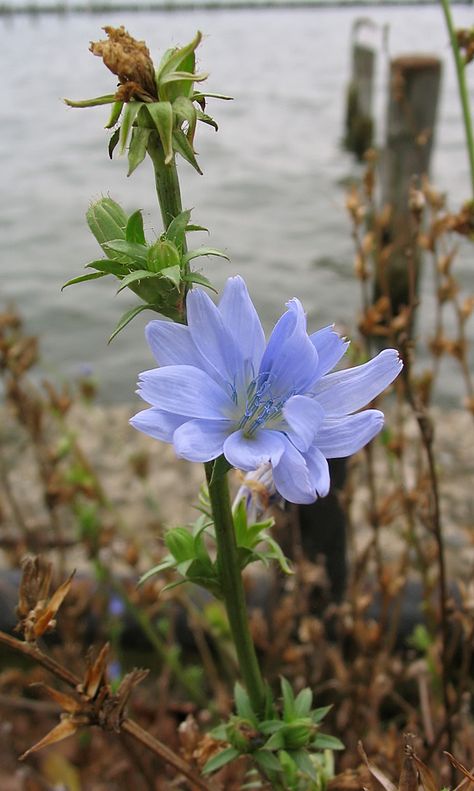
{"points": [[164, 112], [158, 273]]}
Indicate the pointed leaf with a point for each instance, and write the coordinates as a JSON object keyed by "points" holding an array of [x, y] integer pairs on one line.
{"points": [[201, 280], [83, 278], [108, 267], [136, 252], [138, 147], [108, 99], [129, 115], [178, 76], [134, 277], [206, 119], [172, 273], [127, 317], [177, 228], [324, 741], [267, 761], [303, 702], [134, 231], [196, 228], [198, 95], [161, 113], [113, 142], [185, 110], [319, 714], [243, 705], [182, 145], [114, 115], [220, 760], [288, 700], [172, 59], [276, 741], [168, 563], [199, 251], [304, 763]]}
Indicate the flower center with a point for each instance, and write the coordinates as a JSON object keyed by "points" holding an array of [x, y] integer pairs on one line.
{"points": [[261, 406]]}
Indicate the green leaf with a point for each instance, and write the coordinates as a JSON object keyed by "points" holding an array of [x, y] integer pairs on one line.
{"points": [[161, 114], [129, 115], [276, 741], [134, 231], [138, 147], [178, 76], [243, 705], [240, 523], [174, 58], [220, 760], [196, 228], [324, 741], [267, 761], [303, 702], [108, 99], [198, 95], [136, 252], [109, 267], [114, 115], [206, 119], [134, 277], [127, 318], [182, 145], [201, 280], [268, 727], [172, 273], [317, 715], [177, 228], [115, 137], [185, 110], [275, 553], [304, 763], [288, 700], [83, 278], [167, 563], [199, 251]]}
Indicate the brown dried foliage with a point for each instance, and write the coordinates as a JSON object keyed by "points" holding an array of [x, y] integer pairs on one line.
{"points": [[130, 60]]}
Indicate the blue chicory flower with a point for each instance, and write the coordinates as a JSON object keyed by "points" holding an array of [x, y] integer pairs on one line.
{"points": [[220, 389]]}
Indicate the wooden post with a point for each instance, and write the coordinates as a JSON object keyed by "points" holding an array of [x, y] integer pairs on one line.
{"points": [[359, 120], [411, 115]]}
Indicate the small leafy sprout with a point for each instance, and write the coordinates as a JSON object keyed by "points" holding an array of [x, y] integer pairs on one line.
{"points": [[285, 745], [36, 609], [158, 273], [152, 106], [189, 553]]}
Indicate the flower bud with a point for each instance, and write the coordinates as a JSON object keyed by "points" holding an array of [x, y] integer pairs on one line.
{"points": [[163, 254]]}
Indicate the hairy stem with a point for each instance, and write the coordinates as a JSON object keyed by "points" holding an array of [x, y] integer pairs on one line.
{"points": [[462, 86], [233, 589]]}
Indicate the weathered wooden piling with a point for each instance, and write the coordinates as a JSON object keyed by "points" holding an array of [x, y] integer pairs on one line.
{"points": [[414, 85], [359, 120]]}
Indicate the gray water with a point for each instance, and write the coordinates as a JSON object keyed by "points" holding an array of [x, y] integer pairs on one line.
{"points": [[272, 193]]}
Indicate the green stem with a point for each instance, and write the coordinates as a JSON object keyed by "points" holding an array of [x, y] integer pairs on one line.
{"points": [[462, 85], [169, 198], [167, 182], [233, 590]]}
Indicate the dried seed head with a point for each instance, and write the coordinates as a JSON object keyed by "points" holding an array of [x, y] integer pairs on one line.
{"points": [[129, 59], [35, 611]]}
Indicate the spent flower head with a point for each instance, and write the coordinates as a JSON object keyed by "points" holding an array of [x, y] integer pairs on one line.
{"points": [[221, 389]]}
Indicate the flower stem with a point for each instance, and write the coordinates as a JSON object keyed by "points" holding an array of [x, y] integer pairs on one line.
{"points": [[462, 85], [233, 590], [167, 182], [169, 198]]}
